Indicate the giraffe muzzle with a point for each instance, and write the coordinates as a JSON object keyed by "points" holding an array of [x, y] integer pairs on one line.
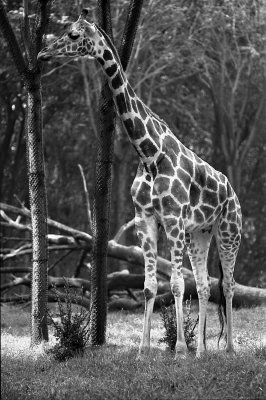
{"points": [[43, 57]]}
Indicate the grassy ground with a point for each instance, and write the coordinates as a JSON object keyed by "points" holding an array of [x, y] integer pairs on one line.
{"points": [[112, 371]]}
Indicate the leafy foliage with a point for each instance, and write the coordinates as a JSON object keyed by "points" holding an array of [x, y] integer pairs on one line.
{"points": [[73, 331], [168, 315]]}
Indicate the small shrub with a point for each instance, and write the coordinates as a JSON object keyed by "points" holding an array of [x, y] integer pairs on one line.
{"points": [[72, 332], [189, 326], [260, 351], [168, 315], [169, 321]]}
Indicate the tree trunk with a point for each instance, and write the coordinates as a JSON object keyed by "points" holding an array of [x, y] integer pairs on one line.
{"points": [[101, 203], [30, 74], [101, 212], [20, 151], [101, 206], [11, 119], [38, 204]]}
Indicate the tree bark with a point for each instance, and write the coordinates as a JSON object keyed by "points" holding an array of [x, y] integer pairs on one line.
{"points": [[38, 204], [102, 196], [101, 212], [30, 74]]}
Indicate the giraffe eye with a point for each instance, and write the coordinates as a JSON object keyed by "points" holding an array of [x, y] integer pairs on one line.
{"points": [[73, 36]]}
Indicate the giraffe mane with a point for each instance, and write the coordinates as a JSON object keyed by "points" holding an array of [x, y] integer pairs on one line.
{"points": [[115, 52], [111, 44]]}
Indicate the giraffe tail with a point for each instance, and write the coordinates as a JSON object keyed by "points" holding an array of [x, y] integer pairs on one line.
{"points": [[221, 302]]}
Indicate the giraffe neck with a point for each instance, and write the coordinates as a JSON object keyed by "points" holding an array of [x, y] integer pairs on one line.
{"points": [[143, 127]]}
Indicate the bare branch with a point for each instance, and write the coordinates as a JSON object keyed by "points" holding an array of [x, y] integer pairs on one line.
{"points": [[22, 252], [149, 75], [52, 298], [123, 229], [57, 225], [14, 270], [259, 115], [11, 39], [56, 68], [45, 6], [80, 263], [27, 40], [14, 224], [87, 198], [59, 260], [83, 64]]}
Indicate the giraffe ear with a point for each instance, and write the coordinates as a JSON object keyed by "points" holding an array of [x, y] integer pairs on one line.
{"points": [[84, 13], [90, 28]]}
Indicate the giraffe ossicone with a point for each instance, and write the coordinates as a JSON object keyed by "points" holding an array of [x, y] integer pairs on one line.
{"points": [[173, 188]]}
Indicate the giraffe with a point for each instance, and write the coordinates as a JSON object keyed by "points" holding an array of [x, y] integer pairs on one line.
{"points": [[173, 188]]}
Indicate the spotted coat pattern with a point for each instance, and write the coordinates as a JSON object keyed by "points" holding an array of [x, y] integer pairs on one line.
{"points": [[173, 188]]}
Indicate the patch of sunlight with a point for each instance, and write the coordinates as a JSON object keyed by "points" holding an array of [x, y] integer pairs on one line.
{"points": [[19, 347], [263, 340], [127, 331], [121, 334]]}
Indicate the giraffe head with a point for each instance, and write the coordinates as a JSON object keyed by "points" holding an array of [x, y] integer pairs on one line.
{"points": [[79, 39]]}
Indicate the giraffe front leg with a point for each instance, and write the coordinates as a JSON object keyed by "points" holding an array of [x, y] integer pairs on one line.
{"points": [[147, 231]]}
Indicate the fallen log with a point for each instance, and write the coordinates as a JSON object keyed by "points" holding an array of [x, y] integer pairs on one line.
{"points": [[113, 305], [244, 295], [52, 298]]}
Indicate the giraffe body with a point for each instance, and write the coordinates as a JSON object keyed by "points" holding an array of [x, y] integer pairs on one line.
{"points": [[173, 188]]}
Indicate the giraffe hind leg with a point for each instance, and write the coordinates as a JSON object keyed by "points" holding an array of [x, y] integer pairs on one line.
{"points": [[225, 303], [198, 244], [228, 241], [175, 234]]}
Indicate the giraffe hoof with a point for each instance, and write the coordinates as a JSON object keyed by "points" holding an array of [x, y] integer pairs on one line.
{"points": [[199, 354], [181, 351], [230, 350], [180, 356], [143, 353]]}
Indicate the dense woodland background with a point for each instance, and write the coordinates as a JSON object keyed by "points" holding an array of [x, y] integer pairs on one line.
{"points": [[201, 66]]}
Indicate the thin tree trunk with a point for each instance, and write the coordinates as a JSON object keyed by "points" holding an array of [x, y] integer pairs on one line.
{"points": [[20, 150], [38, 204], [9, 132], [101, 212], [101, 206], [29, 71], [101, 203]]}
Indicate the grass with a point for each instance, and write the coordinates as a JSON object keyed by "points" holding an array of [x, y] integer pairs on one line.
{"points": [[112, 371]]}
